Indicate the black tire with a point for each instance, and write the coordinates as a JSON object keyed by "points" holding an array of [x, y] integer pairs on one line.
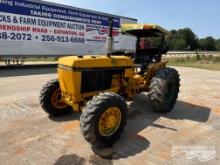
{"points": [[95, 108], [164, 90], [46, 100]]}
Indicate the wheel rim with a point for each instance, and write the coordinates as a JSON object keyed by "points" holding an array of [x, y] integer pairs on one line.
{"points": [[110, 121], [57, 100], [170, 91]]}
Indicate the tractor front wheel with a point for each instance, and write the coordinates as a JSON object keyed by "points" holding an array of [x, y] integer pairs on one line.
{"points": [[103, 119], [164, 89], [51, 99]]}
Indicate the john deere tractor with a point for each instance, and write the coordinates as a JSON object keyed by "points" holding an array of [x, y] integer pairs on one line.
{"points": [[98, 86]]}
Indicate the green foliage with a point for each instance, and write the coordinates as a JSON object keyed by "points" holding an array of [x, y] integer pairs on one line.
{"points": [[217, 44], [183, 39], [198, 56], [186, 39], [209, 43], [216, 59]]}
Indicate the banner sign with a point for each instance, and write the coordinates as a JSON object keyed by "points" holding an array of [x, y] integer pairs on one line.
{"points": [[52, 29]]}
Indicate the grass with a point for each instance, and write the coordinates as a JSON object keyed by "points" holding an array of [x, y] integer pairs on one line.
{"points": [[48, 59], [33, 60], [198, 61]]}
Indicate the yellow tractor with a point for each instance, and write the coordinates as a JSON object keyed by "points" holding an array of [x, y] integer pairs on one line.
{"points": [[99, 85]]}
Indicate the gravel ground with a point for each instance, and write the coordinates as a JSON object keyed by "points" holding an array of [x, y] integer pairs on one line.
{"points": [[187, 135]]}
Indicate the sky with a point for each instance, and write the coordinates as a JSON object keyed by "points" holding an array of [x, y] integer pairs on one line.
{"points": [[202, 16]]}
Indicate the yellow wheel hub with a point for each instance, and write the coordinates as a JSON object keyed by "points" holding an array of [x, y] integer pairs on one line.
{"points": [[110, 121], [57, 100]]}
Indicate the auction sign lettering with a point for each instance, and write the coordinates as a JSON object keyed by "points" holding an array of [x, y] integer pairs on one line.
{"points": [[31, 27]]}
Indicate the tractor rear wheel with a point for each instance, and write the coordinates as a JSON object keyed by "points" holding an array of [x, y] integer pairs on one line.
{"points": [[103, 119], [51, 99], [164, 89]]}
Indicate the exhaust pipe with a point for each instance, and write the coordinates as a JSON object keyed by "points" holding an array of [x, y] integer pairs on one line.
{"points": [[110, 38]]}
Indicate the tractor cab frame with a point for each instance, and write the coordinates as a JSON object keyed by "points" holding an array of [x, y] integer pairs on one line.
{"points": [[150, 45]]}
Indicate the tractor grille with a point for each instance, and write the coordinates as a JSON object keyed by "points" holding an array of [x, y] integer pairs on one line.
{"points": [[97, 80]]}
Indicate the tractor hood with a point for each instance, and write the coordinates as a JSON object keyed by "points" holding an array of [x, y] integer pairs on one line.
{"points": [[93, 62]]}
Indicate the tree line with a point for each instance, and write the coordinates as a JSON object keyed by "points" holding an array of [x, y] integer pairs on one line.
{"points": [[186, 39]]}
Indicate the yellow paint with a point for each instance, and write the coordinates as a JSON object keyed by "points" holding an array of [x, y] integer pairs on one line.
{"points": [[129, 73], [126, 28], [110, 121], [129, 83], [153, 68], [116, 80], [70, 76], [57, 100], [95, 61]]}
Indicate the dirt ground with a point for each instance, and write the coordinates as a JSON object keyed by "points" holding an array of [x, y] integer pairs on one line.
{"points": [[28, 136]]}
